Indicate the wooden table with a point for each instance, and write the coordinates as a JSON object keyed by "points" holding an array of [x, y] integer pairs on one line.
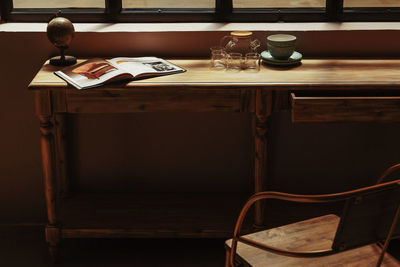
{"points": [[320, 90]]}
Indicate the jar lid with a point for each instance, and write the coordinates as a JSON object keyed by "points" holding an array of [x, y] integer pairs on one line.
{"points": [[241, 34]]}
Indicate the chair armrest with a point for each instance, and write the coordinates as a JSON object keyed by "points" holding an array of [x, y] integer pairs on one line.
{"points": [[387, 172], [282, 196]]}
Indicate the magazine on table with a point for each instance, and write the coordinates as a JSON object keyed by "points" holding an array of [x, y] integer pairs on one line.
{"points": [[96, 71]]}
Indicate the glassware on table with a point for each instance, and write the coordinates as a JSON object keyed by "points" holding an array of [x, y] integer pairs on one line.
{"points": [[234, 61], [218, 57], [240, 42], [252, 62]]}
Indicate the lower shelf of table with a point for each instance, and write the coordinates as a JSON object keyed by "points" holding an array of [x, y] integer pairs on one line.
{"points": [[190, 215]]}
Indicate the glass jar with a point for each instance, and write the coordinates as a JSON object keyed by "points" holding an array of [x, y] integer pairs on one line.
{"points": [[240, 42]]}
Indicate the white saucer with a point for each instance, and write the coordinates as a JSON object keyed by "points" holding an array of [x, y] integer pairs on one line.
{"points": [[295, 58]]}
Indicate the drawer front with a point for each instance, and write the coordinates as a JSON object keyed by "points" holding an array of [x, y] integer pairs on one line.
{"points": [[154, 100], [345, 109]]}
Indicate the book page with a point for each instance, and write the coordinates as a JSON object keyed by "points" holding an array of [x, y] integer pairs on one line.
{"points": [[145, 65], [90, 73]]}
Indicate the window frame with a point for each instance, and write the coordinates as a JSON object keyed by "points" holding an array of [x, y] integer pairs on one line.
{"points": [[223, 12]]}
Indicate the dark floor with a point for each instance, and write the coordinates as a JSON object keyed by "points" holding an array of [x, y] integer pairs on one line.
{"points": [[22, 246], [25, 246]]}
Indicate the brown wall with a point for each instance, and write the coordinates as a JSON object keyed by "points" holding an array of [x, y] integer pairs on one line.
{"points": [[177, 151]]}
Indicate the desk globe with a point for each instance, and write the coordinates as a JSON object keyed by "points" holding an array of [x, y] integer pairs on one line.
{"points": [[60, 32]]}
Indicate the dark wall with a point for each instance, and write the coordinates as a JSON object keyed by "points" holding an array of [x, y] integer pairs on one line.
{"points": [[177, 151]]}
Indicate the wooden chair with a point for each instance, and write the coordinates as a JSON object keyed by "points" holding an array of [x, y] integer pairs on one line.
{"points": [[369, 217]]}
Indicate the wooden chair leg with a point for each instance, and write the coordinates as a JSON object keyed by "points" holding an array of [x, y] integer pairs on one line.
{"points": [[53, 239], [389, 236], [227, 258]]}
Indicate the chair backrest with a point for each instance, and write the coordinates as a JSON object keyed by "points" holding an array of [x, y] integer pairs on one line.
{"points": [[368, 216]]}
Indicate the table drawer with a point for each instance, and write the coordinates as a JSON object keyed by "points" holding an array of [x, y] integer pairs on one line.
{"points": [[345, 108]]}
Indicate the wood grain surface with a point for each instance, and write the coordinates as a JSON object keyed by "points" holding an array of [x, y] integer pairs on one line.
{"points": [[345, 109], [314, 234], [154, 99], [341, 74]]}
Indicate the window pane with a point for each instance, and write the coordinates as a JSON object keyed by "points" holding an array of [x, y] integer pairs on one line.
{"points": [[277, 3], [168, 4], [59, 3], [371, 3]]}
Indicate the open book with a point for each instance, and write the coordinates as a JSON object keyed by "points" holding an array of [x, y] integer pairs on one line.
{"points": [[96, 72]]}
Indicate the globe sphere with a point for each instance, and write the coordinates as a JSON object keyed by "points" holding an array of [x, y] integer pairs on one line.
{"points": [[60, 32]]}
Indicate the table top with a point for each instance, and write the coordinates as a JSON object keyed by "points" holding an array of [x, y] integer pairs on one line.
{"points": [[312, 73]]}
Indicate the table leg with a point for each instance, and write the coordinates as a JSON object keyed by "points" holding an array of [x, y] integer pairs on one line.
{"points": [[61, 154], [261, 129], [48, 162]]}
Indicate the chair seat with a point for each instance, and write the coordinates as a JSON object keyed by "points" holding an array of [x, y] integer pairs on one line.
{"points": [[313, 234]]}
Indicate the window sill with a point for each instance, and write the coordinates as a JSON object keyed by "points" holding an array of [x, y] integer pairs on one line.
{"points": [[207, 27]]}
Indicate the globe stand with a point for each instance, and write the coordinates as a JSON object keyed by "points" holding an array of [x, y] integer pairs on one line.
{"points": [[62, 60]]}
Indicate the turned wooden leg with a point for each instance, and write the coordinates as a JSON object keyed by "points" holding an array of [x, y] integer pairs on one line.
{"points": [[61, 153], [50, 186], [261, 127]]}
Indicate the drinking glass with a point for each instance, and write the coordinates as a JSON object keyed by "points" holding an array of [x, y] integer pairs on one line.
{"points": [[252, 62], [218, 57], [234, 61]]}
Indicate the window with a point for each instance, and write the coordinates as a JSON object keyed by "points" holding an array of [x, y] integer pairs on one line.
{"points": [[202, 10]]}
